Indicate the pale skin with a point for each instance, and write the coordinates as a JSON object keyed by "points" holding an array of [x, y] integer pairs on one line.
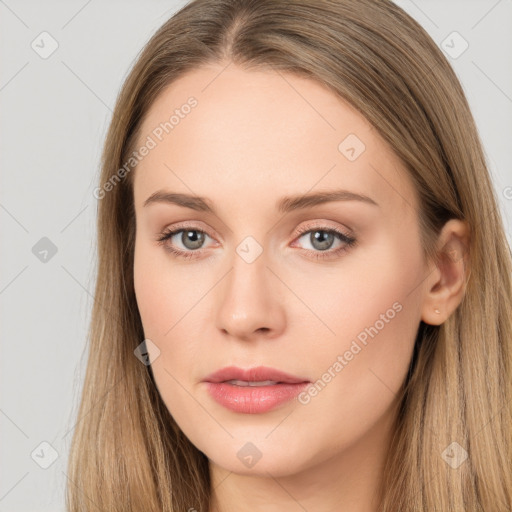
{"points": [[253, 138]]}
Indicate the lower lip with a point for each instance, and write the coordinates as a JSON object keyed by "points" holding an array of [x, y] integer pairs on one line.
{"points": [[253, 399]]}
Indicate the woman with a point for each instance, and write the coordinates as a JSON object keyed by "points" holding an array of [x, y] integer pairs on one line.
{"points": [[304, 286]]}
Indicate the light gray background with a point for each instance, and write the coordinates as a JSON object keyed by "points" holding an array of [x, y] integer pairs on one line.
{"points": [[54, 117]]}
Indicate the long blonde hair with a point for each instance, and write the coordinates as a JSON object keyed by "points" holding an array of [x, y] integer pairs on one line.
{"points": [[127, 452]]}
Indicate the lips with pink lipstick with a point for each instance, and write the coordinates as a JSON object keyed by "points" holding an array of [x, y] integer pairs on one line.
{"points": [[254, 390]]}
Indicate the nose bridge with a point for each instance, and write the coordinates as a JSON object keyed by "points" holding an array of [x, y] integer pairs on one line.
{"points": [[248, 302]]}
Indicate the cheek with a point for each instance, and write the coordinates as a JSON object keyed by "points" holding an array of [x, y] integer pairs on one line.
{"points": [[163, 290], [163, 300], [366, 290], [170, 303], [374, 311], [148, 291]]}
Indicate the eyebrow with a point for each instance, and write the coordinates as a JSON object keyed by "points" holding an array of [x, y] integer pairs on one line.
{"points": [[284, 205]]}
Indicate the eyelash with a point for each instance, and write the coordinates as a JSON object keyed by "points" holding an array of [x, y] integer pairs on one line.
{"points": [[349, 242]]}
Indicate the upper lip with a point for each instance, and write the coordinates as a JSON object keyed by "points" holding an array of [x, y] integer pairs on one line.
{"points": [[256, 374]]}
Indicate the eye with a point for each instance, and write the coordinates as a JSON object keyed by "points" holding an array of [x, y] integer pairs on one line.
{"points": [[322, 239], [192, 239]]}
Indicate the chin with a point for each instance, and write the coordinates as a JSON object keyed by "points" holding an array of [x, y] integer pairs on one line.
{"points": [[257, 456]]}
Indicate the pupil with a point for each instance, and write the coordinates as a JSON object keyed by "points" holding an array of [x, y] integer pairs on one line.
{"points": [[192, 239], [324, 239]]}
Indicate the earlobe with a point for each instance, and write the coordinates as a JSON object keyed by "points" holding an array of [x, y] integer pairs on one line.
{"points": [[446, 285]]}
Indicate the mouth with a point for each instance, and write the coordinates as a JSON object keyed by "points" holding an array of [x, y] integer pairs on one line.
{"points": [[245, 383], [254, 390], [257, 376]]}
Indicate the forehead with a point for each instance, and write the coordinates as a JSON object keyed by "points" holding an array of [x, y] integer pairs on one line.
{"points": [[224, 132]]}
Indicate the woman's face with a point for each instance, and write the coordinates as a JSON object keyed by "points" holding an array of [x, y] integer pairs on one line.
{"points": [[263, 278]]}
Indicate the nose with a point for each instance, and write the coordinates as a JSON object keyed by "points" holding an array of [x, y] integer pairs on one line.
{"points": [[250, 301]]}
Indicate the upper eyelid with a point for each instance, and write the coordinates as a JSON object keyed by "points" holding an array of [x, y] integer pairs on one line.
{"points": [[176, 228], [318, 224]]}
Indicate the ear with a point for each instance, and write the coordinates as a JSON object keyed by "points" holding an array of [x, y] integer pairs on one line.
{"points": [[446, 282]]}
